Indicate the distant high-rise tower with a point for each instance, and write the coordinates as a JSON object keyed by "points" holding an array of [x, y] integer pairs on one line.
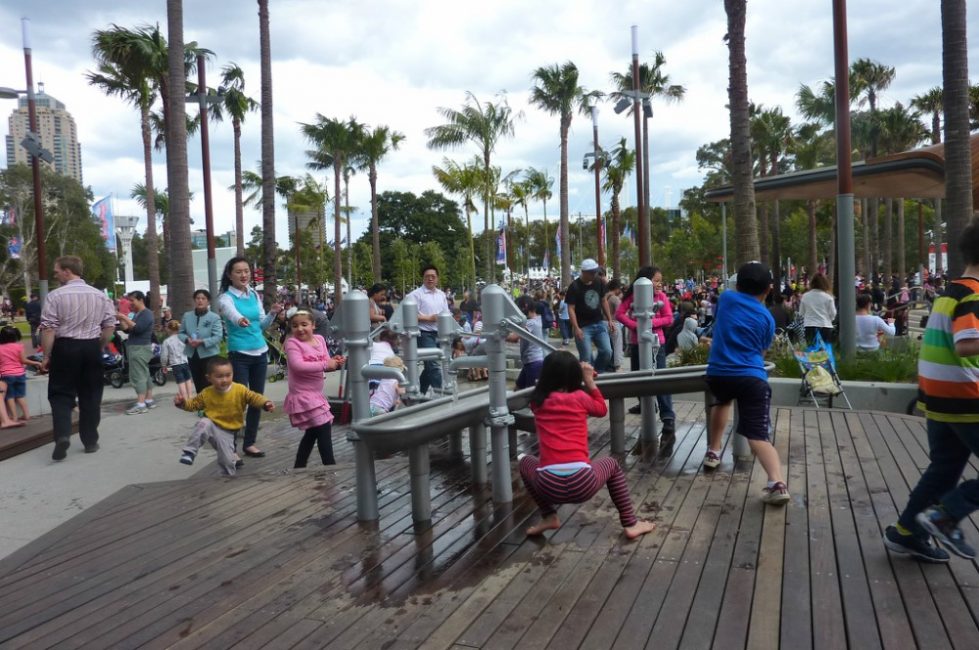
{"points": [[311, 222], [57, 130]]}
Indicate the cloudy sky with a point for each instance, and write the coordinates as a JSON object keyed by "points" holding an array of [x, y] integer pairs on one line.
{"points": [[395, 62]]}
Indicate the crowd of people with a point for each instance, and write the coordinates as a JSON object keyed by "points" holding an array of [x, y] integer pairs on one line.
{"points": [[225, 387]]}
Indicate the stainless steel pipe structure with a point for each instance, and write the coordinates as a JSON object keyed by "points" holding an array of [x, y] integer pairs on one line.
{"points": [[497, 306], [643, 308]]}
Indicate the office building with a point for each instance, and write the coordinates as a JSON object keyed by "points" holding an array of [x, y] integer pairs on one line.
{"points": [[58, 134]]}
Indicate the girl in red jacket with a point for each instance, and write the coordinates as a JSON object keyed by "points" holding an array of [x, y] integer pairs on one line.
{"points": [[564, 473]]}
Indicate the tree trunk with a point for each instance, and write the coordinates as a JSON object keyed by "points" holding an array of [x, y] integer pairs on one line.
{"points": [[615, 234], [350, 243], [239, 206], [490, 258], [865, 222], [472, 248], [564, 235], [813, 263], [268, 156], [776, 263], [181, 266], [152, 250], [746, 248], [939, 238], [337, 251], [902, 266], [955, 100], [888, 247], [831, 263], [375, 232], [873, 217]]}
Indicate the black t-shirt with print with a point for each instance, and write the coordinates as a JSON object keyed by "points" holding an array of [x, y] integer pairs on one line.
{"points": [[587, 301]]}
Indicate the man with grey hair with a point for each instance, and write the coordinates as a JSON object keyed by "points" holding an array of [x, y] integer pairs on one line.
{"points": [[77, 321]]}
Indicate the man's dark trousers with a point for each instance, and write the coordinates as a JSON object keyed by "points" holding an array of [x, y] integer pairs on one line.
{"points": [[76, 372]]}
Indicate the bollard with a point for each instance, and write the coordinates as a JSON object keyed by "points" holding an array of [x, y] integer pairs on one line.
{"points": [[420, 470], [409, 345], [448, 329], [642, 309], [496, 307], [355, 317], [477, 452], [616, 421]]}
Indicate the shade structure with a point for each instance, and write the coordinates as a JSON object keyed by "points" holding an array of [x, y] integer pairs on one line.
{"points": [[917, 174]]}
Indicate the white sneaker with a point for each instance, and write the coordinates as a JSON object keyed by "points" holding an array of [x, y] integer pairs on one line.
{"points": [[136, 410], [151, 405]]}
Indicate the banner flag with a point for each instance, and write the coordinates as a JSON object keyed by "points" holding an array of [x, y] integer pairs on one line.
{"points": [[13, 248], [602, 237], [501, 245], [9, 218], [102, 211], [557, 243]]}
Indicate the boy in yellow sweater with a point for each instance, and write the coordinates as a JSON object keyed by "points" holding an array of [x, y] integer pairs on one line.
{"points": [[223, 403]]}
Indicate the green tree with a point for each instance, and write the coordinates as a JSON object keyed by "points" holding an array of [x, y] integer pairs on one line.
{"points": [[556, 91], [620, 165], [465, 181], [931, 103], [377, 142], [540, 184], [483, 124], [268, 150]]}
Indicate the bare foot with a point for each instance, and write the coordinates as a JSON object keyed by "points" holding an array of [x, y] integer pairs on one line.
{"points": [[640, 528], [547, 523], [12, 425]]}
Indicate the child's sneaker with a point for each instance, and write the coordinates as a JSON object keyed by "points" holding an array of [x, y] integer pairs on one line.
{"points": [[151, 404], [137, 409], [711, 460], [919, 547], [777, 494], [187, 458], [945, 529]]}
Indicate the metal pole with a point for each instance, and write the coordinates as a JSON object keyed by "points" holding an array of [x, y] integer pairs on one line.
{"points": [[645, 171], [39, 234], [447, 330], [637, 115], [499, 419], [212, 267], [409, 347], [642, 308], [844, 175], [598, 188], [355, 315], [724, 275]]}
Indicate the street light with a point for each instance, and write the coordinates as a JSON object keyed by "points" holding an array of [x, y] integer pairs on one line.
{"points": [[33, 145], [598, 155]]}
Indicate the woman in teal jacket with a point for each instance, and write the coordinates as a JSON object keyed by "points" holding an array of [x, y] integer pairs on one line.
{"points": [[245, 321], [201, 331]]}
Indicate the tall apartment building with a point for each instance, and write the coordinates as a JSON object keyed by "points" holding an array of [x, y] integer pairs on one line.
{"points": [[58, 135], [311, 222]]}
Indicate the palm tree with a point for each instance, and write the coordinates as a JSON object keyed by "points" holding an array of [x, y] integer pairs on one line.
{"points": [[466, 181], [125, 59], [181, 280], [541, 183], [521, 196], [811, 149], [483, 124], [874, 78], [772, 135], [556, 91], [900, 129], [746, 248], [236, 104], [958, 163], [335, 142], [621, 163], [931, 103], [268, 154], [376, 144], [506, 200]]}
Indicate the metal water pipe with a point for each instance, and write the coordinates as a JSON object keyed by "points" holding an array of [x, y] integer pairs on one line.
{"points": [[643, 308], [497, 306]]}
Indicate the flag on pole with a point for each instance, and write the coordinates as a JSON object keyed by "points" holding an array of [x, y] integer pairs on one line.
{"points": [[102, 211], [602, 236], [13, 248], [547, 259], [557, 243], [9, 218], [501, 246]]}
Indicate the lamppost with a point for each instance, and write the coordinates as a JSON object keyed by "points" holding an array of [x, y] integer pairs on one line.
{"points": [[633, 98], [598, 155], [33, 145], [203, 98], [644, 258]]}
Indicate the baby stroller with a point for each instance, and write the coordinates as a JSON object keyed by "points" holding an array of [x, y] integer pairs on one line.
{"points": [[115, 365], [277, 356], [819, 378]]}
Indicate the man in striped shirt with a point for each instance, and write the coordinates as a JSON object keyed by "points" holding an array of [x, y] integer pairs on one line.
{"points": [[948, 382], [77, 321]]}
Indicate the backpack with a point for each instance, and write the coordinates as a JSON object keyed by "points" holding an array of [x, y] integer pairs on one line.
{"points": [[672, 334]]}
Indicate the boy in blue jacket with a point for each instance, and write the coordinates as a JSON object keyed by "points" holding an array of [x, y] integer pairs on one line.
{"points": [[743, 330]]}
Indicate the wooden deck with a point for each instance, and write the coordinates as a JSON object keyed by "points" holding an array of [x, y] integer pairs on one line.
{"points": [[278, 560]]}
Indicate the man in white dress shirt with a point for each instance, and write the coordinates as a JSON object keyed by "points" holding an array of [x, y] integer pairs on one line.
{"points": [[431, 302]]}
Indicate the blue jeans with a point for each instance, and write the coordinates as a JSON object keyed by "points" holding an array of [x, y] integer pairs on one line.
{"points": [[432, 373], [950, 446], [565, 326], [596, 333], [665, 402], [250, 370]]}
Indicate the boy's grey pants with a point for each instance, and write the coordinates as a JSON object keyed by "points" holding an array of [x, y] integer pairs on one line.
{"points": [[222, 440]]}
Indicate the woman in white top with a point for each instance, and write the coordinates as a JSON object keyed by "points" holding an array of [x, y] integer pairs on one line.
{"points": [[818, 309], [869, 325]]}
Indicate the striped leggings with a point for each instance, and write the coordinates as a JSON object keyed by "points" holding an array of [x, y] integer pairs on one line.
{"points": [[550, 490]]}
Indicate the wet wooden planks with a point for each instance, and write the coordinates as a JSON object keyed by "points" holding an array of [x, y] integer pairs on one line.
{"points": [[278, 559]]}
